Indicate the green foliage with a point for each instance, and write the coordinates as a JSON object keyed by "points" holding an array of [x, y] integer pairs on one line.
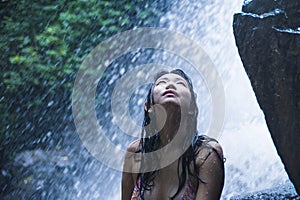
{"points": [[42, 45]]}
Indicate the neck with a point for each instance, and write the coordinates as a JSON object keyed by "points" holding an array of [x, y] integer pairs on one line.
{"points": [[170, 123]]}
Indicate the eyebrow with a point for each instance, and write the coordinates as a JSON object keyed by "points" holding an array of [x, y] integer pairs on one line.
{"points": [[180, 79], [163, 79]]}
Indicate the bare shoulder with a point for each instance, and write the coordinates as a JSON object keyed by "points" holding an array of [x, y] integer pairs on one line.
{"points": [[132, 158], [134, 146], [211, 170], [216, 147], [210, 149]]}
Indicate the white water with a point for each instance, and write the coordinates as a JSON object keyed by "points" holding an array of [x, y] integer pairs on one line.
{"points": [[252, 161]]}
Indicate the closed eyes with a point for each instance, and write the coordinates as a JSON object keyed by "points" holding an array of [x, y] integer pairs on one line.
{"points": [[160, 82], [181, 83]]}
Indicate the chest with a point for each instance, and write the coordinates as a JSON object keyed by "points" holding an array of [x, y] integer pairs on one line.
{"points": [[166, 184]]}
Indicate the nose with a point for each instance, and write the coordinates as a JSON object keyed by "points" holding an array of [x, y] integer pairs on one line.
{"points": [[171, 85]]}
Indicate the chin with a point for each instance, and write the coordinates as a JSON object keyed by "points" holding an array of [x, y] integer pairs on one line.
{"points": [[171, 103]]}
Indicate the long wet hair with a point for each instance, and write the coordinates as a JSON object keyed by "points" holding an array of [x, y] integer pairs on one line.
{"points": [[150, 141]]}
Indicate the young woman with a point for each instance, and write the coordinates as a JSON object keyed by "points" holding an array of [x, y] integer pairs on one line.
{"points": [[198, 172]]}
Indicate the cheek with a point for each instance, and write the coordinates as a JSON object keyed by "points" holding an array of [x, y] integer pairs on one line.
{"points": [[156, 92], [186, 100]]}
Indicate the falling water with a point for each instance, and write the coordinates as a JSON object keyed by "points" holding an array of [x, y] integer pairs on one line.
{"points": [[252, 163]]}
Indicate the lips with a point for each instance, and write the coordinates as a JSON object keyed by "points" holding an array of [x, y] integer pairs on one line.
{"points": [[169, 93]]}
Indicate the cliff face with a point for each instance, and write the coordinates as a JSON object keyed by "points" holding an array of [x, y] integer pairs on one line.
{"points": [[267, 34]]}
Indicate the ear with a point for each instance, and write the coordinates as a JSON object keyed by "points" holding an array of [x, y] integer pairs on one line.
{"points": [[147, 110]]}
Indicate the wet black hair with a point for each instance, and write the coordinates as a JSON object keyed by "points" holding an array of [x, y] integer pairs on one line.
{"points": [[150, 140]]}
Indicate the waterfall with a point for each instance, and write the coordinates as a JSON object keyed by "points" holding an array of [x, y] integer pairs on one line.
{"points": [[252, 163]]}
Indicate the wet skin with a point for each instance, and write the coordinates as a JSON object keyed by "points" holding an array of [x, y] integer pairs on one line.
{"points": [[172, 89], [172, 92]]}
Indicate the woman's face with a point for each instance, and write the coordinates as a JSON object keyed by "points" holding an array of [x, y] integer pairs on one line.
{"points": [[172, 89]]}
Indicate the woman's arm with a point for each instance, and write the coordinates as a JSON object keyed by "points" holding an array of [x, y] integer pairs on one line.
{"points": [[127, 185], [211, 170], [128, 178]]}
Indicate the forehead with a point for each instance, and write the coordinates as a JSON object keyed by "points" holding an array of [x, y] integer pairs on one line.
{"points": [[171, 77]]}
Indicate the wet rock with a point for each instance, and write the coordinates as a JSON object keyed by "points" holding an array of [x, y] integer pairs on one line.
{"points": [[38, 174], [267, 35], [69, 172], [290, 9], [286, 191]]}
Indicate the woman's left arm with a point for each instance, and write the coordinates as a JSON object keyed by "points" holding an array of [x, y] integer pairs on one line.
{"points": [[211, 171]]}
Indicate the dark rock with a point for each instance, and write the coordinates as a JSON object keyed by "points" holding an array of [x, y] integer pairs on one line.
{"points": [[290, 9], [268, 40], [259, 7]]}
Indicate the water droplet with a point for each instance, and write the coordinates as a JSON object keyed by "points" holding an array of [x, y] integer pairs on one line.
{"points": [[50, 103]]}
